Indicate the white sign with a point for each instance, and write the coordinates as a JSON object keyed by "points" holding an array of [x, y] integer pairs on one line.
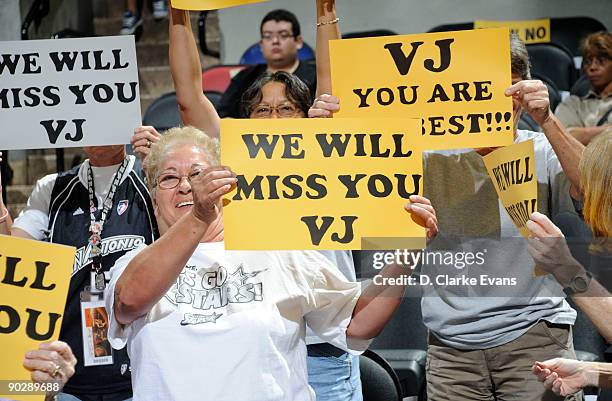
{"points": [[61, 93]]}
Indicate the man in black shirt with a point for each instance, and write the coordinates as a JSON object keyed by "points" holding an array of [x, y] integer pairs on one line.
{"points": [[280, 42], [102, 203]]}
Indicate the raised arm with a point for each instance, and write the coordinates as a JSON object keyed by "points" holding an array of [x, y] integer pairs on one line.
{"points": [[194, 107], [328, 29], [161, 262]]}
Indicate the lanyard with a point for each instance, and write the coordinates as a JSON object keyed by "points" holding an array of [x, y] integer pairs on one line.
{"points": [[95, 227]]}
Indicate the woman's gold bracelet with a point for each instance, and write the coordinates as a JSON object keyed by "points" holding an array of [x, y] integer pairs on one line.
{"points": [[334, 21]]}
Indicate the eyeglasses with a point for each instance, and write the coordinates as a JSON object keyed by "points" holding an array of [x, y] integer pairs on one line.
{"points": [[171, 181], [284, 110], [282, 36], [587, 62]]}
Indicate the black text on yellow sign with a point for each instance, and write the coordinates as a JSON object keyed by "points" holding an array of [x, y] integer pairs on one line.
{"points": [[530, 31], [320, 183], [34, 278], [512, 170], [444, 79]]}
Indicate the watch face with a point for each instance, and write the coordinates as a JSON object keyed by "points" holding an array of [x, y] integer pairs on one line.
{"points": [[580, 284]]}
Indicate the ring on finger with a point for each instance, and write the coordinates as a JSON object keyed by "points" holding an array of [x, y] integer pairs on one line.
{"points": [[148, 143], [57, 370]]}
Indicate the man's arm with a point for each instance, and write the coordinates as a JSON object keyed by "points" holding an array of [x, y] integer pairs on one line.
{"points": [[533, 96], [567, 148], [194, 107]]}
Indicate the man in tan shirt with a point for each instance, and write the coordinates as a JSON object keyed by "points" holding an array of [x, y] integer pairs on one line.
{"points": [[589, 115]]}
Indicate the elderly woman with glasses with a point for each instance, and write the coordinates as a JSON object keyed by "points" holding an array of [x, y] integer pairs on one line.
{"points": [[202, 323]]}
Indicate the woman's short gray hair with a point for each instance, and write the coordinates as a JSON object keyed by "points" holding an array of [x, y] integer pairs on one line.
{"points": [[176, 137]]}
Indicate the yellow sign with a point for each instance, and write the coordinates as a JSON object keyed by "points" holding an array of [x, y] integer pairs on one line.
{"points": [[321, 183], [453, 81], [513, 172], [530, 31], [210, 4], [34, 279]]}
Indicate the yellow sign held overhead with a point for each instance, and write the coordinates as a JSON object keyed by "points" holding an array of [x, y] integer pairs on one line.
{"points": [[513, 172], [445, 79], [530, 31], [34, 283], [210, 4], [321, 183]]}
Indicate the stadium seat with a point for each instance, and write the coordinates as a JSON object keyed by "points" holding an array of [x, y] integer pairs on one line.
{"points": [[409, 365], [405, 330], [460, 26], [378, 380], [581, 87], [202, 36], [253, 54], [553, 93], [526, 122], [217, 78], [163, 113], [569, 31], [214, 97], [368, 34], [554, 62], [403, 341]]}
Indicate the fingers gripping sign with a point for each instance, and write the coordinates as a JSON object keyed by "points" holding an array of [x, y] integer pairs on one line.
{"points": [[324, 106], [533, 98], [207, 189], [541, 226], [424, 214], [51, 362], [143, 138]]}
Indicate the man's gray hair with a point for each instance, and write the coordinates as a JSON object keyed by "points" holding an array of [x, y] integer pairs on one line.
{"points": [[519, 58]]}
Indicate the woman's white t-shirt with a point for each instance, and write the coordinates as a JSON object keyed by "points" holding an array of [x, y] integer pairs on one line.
{"points": [[232, 326]]}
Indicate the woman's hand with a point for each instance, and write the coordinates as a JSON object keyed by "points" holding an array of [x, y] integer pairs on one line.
{"points": [[207, 189], [423, 214], [562, 376], [324, 106], [143, 138], [534, 99], [51, 362], [549, 249]]}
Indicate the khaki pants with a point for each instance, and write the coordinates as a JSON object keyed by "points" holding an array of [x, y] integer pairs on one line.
{"points": [[497, 374]]}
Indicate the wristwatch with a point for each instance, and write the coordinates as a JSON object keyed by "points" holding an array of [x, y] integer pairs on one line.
{"points": [[579, 283]]}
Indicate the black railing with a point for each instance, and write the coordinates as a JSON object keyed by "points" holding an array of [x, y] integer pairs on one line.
{"points": [[202, 36], [38, 11]]}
